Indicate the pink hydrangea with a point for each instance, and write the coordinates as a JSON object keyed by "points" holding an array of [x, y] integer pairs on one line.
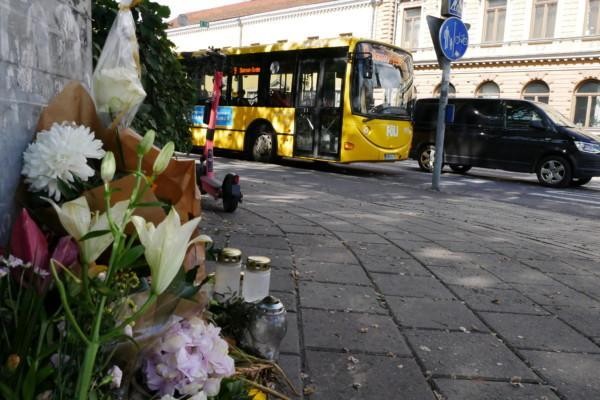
{"points": [[190, 357]]}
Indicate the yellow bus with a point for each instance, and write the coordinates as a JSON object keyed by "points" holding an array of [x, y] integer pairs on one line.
{"points": [[339, 100]]}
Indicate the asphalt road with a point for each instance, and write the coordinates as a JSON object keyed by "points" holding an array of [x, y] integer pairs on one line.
{"points": [[380, 181]]}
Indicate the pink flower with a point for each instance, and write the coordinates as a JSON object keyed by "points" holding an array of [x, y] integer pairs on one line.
{"points": [[191, 356], [27, 241]]}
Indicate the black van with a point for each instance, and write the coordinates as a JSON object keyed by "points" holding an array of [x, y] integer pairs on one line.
{"points": [[514, 135]]}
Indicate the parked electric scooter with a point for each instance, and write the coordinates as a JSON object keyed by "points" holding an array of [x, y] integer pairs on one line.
{"points": [[229, 190]]}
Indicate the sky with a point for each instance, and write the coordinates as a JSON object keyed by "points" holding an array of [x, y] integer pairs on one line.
{"points": [[184, 6]]}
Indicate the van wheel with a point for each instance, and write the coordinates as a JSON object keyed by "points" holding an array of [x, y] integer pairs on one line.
{"points": [[580, 181], [427, 158], [460, 168], [554, 171], [263, 145]]}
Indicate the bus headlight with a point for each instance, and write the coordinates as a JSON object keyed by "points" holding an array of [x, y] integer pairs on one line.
{"points": [[366, 130]]}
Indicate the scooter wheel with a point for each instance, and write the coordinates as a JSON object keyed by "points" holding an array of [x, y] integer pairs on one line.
{"points": [[230, 202]]}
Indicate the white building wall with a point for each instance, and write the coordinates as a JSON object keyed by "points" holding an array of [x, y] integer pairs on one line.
{"points": [[324, 20]]}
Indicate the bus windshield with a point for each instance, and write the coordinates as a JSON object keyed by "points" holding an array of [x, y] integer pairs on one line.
{"points": [[387, 90]]}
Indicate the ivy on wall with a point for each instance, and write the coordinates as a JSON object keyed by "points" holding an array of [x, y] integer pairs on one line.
{"points": [[170, 94]]}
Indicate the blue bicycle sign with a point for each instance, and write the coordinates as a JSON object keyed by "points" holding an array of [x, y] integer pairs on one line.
{"points": [[454, 38]]}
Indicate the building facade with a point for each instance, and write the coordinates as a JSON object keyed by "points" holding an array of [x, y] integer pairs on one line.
{"points": [[545, 50]]}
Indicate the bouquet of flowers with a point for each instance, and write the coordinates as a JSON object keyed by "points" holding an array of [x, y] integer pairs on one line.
{"points": [[111, 219]]}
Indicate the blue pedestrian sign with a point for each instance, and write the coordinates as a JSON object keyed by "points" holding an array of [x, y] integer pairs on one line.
{"points": [[452, 8], [454, 38]]}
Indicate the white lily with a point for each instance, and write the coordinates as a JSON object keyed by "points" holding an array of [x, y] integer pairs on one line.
{"points": [[165, 246], [76, 217]]}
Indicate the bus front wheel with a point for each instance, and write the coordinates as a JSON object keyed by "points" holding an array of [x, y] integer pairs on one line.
{"points": [[263, 146]]}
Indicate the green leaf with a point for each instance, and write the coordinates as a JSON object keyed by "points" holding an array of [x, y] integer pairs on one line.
{"points": [[130, 256], [44, 373], [181, 287], [104, 289], [7, 393], [94, 234], [28, 387]]}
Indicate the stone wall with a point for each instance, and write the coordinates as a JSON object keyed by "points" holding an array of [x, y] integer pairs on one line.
{"points": [[43, 45]]}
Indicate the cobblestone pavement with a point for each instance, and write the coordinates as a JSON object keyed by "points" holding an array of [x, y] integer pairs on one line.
{"points": [[422, 295]]}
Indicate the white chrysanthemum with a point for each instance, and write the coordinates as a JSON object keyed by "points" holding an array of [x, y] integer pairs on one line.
{"points": [[60, 153]]}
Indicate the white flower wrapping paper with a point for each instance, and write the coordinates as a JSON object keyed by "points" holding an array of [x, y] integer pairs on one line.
{"points": [[116, 85]]}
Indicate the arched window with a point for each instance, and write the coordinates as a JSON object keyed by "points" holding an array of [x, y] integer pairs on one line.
{"points": [[587, 104], [536, 91], [451, 90], [488, 90]]}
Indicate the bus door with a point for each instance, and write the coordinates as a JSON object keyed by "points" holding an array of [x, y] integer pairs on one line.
{"points": [[318, 124]]}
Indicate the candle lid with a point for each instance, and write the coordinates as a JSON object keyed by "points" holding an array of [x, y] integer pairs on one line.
{"points": [[270, 305], [230, 255], [258, 263]]}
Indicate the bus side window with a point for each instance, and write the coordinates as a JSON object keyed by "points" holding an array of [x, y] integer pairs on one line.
{"points": [[281, 73], [245, 71]]}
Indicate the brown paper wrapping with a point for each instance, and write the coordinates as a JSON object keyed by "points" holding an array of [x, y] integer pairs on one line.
{"points": [[177, 185]]}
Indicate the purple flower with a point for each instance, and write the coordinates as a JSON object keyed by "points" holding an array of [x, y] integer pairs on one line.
{"points": [[188, 359], [116, 376]]}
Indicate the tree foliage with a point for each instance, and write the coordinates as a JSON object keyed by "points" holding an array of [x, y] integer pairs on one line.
{"points": [[170, 94]]}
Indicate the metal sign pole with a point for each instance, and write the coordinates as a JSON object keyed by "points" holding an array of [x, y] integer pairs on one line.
{"points": [[441, 126]]}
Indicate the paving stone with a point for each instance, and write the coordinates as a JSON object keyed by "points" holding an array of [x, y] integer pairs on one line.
{"points": [[379, 250], [282, 280], [467, 355], [390, 265], [556, 267], [335, 377], [325, 254], [438, 314], [340, 227], [291, 341], [314, 240], [410, 246], [468, 276], [304, 228], [336, 273], [591, 265], [411, 286], [556, 295], [519, 273], [574, 375], [292, 366], [462, 389], [362, 238], [436, 255], [587, 284], [355, 331], [523, 254], [538, 332], [242, 241], [499, 300], [339, 297], [279, 258], [287, 298], [466, 247], [584, 319]]}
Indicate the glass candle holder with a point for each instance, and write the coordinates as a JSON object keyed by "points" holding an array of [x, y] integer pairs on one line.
{"points": [[257, 279], [228, 273]]}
